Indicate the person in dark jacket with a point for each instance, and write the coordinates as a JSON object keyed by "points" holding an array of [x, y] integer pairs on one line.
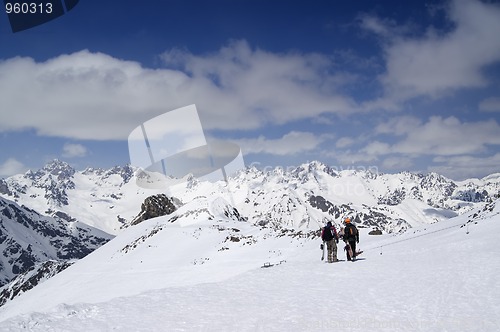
{"points": [[351, 237], [329, 235]]}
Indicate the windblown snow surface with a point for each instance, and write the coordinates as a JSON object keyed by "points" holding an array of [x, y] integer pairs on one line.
{"points": [[203, 272]]}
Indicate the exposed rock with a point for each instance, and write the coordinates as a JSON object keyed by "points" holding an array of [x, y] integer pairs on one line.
{"points": [[29, 279], [156, 206], [221, 208], [64, 216], [321, 203], [369, 218], [375, 232], [125, 172], [393, 198], [4, 188], [472, 195], [56, 178], [28, 238]]}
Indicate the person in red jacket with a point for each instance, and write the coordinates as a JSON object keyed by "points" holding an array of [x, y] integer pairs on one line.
{"points": [[329, 235]]}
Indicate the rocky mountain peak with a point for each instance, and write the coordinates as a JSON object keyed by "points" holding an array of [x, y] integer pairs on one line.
{"points": [[309, 167], [55, 178], [125, 172], [58, 168]]}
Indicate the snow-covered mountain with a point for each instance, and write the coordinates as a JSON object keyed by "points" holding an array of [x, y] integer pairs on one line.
{"points": [[93, 196], [28, 238], [300, 198]]}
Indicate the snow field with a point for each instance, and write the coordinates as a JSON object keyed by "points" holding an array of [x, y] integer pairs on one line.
{"points": [[439, 281]]}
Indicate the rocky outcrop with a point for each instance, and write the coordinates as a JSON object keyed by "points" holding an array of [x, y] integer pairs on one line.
{"points": [[156, 206], [4, 188], [375, 232]]}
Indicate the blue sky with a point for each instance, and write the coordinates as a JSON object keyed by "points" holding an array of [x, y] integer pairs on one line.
{"points": [[411, 85]]}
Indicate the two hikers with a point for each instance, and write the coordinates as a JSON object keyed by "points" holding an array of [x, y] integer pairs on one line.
{"points": [[330, 237], [350, 237], [349, 234]]}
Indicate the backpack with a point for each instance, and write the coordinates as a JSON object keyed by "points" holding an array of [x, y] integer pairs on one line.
{"points": [[352, 231], [327, 234]]}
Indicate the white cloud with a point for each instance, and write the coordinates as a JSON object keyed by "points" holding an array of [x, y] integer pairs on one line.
{"points": [[438, 136], [490, 105], [452, 147], [440, 63], [353, 158], [449, 136], [384, 27], [377, 26], [12, 166], [88, 95], [289, 144], [258, 87], [460, 149], [376, 148], [463, 167], [344, 142], [71, 150], [398, 125], [397, 163]]}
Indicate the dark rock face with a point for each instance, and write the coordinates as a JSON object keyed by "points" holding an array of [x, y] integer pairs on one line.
{"points": [[28, 238], [156, 206], [472, 196], [29, 279], [4, 188], [233, 213], [393, 198], [336, 211]]}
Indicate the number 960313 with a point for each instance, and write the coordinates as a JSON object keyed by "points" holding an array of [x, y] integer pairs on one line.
{"points": [[28, 8]]}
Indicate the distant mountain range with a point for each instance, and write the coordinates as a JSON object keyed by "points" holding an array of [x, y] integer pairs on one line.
{"points": [[60, 214], [302, 198]]}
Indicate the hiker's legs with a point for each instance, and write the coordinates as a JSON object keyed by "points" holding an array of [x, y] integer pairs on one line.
{"points": [[353, 247], [329, 246]]}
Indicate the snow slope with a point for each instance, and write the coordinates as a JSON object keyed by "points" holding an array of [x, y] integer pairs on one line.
{"points": [[173, 274]]}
